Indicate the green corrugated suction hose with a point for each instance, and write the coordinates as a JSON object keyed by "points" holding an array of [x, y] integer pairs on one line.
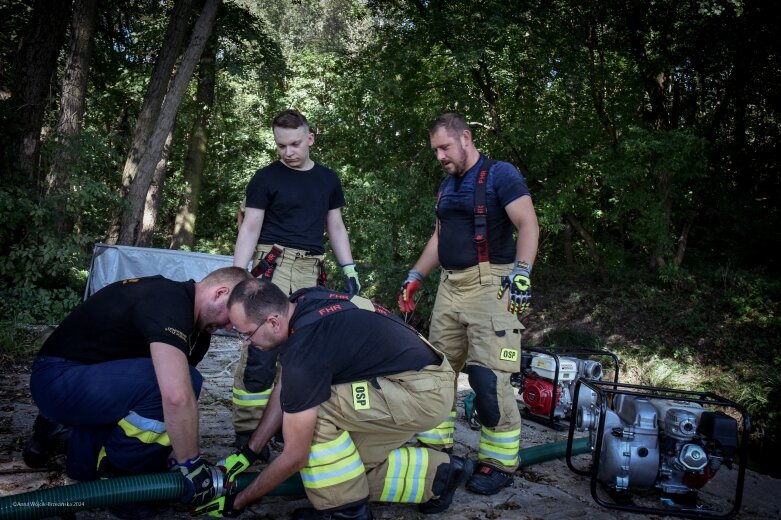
{"points": [[168, 486], [107, 492]]}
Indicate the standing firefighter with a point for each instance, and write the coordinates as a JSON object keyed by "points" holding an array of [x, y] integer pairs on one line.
{"points": [[288, 205], [120, 372], [481, 204], [356, 384]]}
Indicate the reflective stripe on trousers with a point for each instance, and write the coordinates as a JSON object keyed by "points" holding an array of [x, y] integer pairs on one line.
{"points": [[405, 478], [440, 436], [499, 446], [148, 431], [141, 429], [245, 398], [331, 463]]}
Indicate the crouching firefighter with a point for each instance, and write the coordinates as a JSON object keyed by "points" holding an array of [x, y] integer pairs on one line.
{"points": [[481, 204], [120, 372], [356, 384]]}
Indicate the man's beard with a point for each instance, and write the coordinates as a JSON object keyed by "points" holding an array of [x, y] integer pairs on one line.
{"points": [[458, 165]]}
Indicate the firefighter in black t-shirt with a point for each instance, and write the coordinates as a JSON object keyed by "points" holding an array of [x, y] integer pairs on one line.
{"points": [[356, 384], [288, 206], [120, 372]]}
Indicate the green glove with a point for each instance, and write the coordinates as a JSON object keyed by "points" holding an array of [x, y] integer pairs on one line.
{"points": [[234, 464], [220, 507], [351, 279]]}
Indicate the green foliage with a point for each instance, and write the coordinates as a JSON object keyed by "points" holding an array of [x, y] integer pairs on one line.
{"points": [[17, 340], [42, 272], [571, 338]]}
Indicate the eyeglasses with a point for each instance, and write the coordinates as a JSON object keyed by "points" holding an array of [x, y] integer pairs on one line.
{"points": [[247, 337]]}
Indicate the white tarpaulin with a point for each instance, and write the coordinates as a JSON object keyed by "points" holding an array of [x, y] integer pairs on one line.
{"points": [[112, 263]]}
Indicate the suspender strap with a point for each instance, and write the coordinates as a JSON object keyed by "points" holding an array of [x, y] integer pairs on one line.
{"points": [[480, 219], [481, 222], [266, 265]]}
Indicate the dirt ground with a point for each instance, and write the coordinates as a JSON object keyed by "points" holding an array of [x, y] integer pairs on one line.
{"points": [[547, 490]]}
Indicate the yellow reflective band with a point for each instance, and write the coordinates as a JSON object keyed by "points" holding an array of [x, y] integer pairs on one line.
{"points": [[361, 395], [148, 431], [500, 446], [331, 463], [101, 456], [509, 436], [440, 435], [244, 398], [508, 354], [405, 479]]}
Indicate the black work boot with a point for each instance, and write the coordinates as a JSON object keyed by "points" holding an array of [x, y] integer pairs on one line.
{"points": [[47, 440], [488, 480], [358, 512], [458, 471]]}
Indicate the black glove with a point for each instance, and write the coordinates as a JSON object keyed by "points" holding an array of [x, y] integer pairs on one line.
{"points": [[520, 285], [202, 481], [351, 279], [220, 507], [234, 464]]}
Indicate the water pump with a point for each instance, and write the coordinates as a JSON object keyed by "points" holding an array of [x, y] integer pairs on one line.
{"points": [[547, 379], [666, 442]]}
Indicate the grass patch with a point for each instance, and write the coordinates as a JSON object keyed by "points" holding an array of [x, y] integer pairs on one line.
{"points": [[20, 342]]}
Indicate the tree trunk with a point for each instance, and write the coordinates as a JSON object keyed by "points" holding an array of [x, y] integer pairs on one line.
{"points": [[153, 101], [569, 256], [661, 248], [165, 122], [74, 94], [194, 162], [36, 63], [597, 89], [683, 239], [482, 78], [154, 197], [591, 244]]}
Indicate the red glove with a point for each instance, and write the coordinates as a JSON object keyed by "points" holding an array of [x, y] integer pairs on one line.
{"points": [[407, 295]]}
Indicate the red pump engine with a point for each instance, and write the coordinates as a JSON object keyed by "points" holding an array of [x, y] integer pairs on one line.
{"points": [[538, 394]]}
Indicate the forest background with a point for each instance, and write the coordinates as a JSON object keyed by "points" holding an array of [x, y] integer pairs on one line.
{"points": [[648, 133]]}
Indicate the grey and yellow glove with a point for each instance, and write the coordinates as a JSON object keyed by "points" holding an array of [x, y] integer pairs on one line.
{"points": [[520, 285], [351, 279], [235, 463], [202, 481], [220, 507]]}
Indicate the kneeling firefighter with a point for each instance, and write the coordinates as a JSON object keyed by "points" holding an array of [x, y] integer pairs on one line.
{"points": [[356, 384]]}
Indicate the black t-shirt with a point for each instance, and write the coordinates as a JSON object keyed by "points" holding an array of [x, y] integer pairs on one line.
{"points": [[296, 204], [121, 320], [343, 347], [456, 207]]}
